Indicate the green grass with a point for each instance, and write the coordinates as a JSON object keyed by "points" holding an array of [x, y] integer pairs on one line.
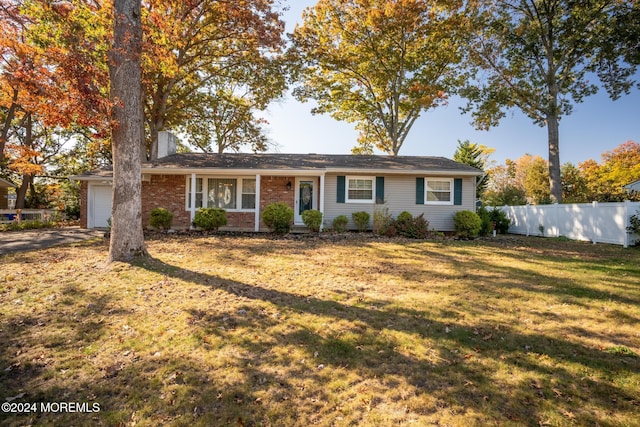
{"points": [[366, 331]]}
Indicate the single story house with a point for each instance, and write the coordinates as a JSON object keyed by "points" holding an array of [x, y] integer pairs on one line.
{"points": [[4, 193], [244, 184]]}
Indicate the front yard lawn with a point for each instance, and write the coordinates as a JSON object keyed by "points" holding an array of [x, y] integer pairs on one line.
{"points": [[257, 331]]}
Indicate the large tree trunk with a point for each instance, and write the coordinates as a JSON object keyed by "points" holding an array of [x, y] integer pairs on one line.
{"points": [[21, 192], [555, 177], [127, 238]]}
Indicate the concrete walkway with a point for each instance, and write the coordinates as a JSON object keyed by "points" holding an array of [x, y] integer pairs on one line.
{"points": [[28, 240]]}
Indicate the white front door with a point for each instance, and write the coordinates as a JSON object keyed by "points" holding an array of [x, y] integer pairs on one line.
{"points": [[305, 198]]}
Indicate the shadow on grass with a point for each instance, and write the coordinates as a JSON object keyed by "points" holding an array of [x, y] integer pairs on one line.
{"points": [[427, 365], [455, 379]]}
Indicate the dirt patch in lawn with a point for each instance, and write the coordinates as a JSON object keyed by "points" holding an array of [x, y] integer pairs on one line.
{"points": [[235, 330]]}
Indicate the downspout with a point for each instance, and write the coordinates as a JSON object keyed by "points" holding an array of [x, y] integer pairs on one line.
{"points": [[321, 207], [192, 207], [257, 214]]}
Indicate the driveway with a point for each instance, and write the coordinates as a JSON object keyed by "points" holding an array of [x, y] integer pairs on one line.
{"points": [[28, 240]]}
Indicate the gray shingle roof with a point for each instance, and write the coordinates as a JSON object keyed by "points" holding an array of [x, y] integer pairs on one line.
{"points": [[319, 162], [279, 163]]}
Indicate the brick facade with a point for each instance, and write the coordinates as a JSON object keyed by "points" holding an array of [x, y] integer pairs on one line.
{"points": [[165, 191], [169, 191], [273, 189]]}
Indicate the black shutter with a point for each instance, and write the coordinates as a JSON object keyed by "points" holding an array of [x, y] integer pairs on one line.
{"points": [[379, 189], [457, 191], [419, 191], [341, 189]]}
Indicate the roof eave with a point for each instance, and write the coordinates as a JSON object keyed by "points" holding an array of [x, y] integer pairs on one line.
{"points": [[425, 172], [7, 183], [174, 170]]}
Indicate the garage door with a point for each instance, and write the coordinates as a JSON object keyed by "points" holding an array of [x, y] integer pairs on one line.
{"points": [[99, 206]]}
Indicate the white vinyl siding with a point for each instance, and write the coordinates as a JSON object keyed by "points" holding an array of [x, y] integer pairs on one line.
{"points": [[400, 195]]}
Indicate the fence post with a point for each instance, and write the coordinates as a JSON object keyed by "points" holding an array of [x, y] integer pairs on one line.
{"points": [[594, 218]]}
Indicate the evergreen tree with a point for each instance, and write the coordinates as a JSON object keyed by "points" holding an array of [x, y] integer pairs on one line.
{"points": [[472, 154]]}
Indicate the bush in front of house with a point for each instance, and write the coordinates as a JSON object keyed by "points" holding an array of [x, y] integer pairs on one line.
{"points": [[210, 218], [383, 221], [402, 222], [278, 217], [412, 227], [161, 218], [339, 223], [467, 224], [312, 219], [361, 219]]}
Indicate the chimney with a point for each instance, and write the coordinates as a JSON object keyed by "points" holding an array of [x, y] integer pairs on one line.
{"points": [[166, 144]]}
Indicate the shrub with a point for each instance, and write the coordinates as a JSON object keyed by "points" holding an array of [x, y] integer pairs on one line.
{"points": [[72, 211], [312, 219], [278, 217], [361, 220], [382, 221], [404, 217], [161, 218], [26, 225], [501, 221], [417, 228], [339, 223], [634, 226], [467, 224], [485, 218], [410, 227], [402, 222], [210, 218]]}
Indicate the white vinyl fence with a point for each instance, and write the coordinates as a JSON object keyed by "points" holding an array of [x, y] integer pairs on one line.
{"points": [[594, 222]]}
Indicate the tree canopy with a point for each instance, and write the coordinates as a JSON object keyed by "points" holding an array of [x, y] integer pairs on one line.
{"points": [[619, 167], [197, 49], [539, 56], [380, 63]]}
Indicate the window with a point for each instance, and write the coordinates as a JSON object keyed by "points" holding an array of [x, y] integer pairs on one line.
{"points": [[360, 189], [221, 193], [198, 193], [248, 194], [224, 193], [438, 191]]}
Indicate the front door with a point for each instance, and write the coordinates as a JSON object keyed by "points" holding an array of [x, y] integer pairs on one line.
{"points": [[305, 199]]}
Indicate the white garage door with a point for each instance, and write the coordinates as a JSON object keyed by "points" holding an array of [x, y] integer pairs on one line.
{"points": [[99, 206]]}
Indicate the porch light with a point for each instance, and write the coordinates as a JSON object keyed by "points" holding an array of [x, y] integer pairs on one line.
{"points": [[288, 185]]}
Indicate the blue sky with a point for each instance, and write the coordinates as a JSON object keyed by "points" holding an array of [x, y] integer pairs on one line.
{"points": [[596, 125]]}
